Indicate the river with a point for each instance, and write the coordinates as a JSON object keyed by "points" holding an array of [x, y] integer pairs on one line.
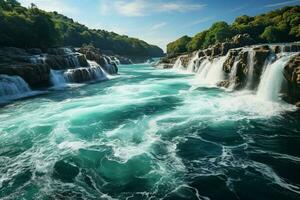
{"points": [[149, 134]]}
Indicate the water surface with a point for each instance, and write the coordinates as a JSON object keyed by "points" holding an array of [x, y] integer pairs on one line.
{"points": [[149, 134]]}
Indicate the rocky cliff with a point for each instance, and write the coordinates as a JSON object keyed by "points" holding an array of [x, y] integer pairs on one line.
{"points": [[243, 65]]}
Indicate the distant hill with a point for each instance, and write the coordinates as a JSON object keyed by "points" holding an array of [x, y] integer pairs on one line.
{"points": [[282, 25], [34, 28]]}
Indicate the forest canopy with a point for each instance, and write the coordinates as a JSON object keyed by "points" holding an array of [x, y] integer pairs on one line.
{"points": [[34, 28], [282, 25]]}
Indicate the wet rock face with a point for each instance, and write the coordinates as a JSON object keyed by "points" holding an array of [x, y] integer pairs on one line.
{"points": [[59, 62], [240, 57], [260, 57], [292, 75], [224, 84], [186, 59], [95, 54], [36, 75], [229, 62]]}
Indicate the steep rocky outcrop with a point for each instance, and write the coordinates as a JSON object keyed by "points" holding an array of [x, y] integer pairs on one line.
{"points": [[36, 75], [292, 75]]}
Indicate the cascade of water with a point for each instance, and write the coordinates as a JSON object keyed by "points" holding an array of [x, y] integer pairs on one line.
{"points": [[211, 72], [83, 74], [57, 78], [233, 73], [272, 79], [192, 63], [216, 73], [106, 60], [250, 63], [203, 68], [72, 60], [116, 60], [178, 63], [99, 72], [12, 87]]}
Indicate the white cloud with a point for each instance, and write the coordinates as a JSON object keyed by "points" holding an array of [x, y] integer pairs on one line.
{"points": [[158, 26], [104, 7], [199, 21], [281, 3], [178, 6], [135, 8], [52, 5]]}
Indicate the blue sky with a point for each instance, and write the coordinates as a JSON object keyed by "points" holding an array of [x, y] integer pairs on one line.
{"points": [[157, 21]]}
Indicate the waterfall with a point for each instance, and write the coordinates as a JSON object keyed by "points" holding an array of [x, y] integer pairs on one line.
{"points": [[211, 72], [106, 61], [192, 63], [84, 74], [250, 63], [272, 79], [72, 60], [12, 87], [215, 73], [58, 78], [100, 73], [178, 63], [233, 73], [116, 60], [203, 68]]}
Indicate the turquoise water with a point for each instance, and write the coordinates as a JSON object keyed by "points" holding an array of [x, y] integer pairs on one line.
{"points": [[149, 134]]}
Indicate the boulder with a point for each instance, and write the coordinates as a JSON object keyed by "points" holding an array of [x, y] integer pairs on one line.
{"points": [[276, 49], [224, 84], [261, 54], [201, 54], [226, 46], [243, 40], [56, 62], [36, 75], [82, 61], [71, 61], [216, 50], [207, 52]]}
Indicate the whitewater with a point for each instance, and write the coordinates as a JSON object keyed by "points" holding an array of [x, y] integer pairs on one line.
{"points": [[152, 134]]}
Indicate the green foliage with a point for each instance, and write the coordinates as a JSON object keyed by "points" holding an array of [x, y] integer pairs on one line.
{"points": [[179, 46], [281, 25], [32, 27]]}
